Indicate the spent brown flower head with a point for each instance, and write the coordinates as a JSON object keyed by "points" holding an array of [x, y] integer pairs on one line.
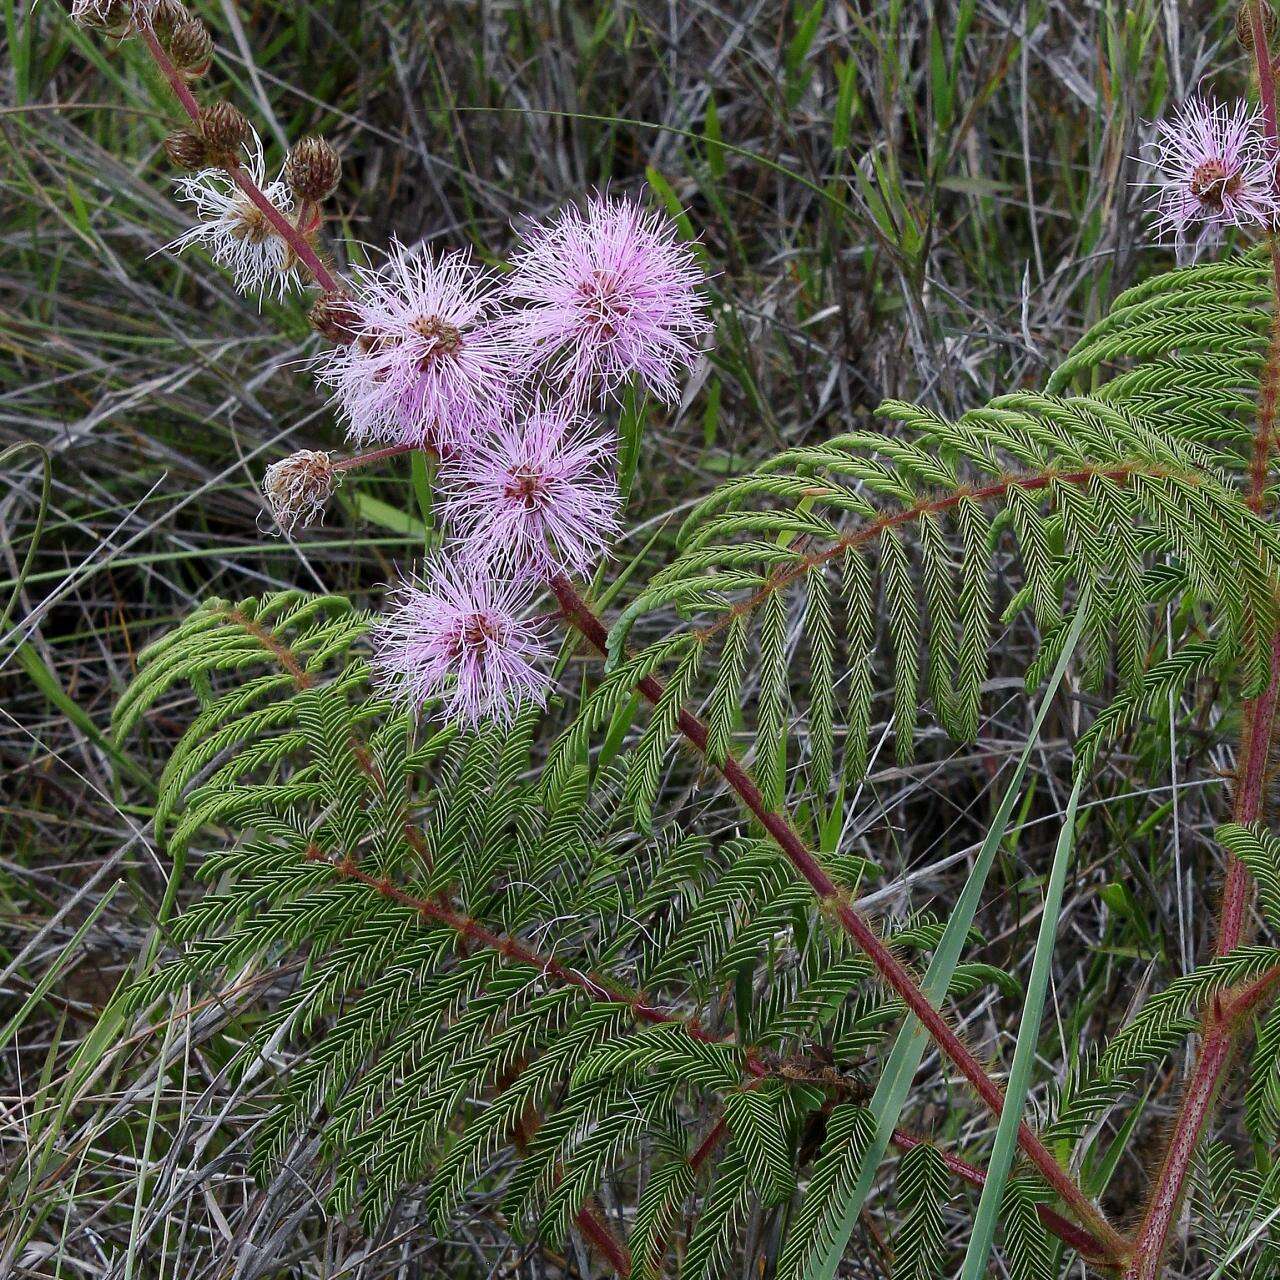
{"points": [[312, 169], [226, 131], [187, 149], [298, 488], [335, 317], [113, 16], [191, 48]]}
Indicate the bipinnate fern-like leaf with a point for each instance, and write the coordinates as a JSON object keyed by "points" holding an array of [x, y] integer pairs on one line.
{"points": [[518, 980], [1237, 1223], [1087, 494], [849, 1131], [417, 869], [923, 1192]]}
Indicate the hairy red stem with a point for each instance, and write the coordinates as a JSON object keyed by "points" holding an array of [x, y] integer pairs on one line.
{"points": [[1219, 1032], [593, 1227], [285, 229], [376, 455], [1222, 1028], [579, 615]]}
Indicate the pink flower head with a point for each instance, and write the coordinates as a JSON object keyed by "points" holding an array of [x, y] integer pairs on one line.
{"points": [[536, 497], [1216, 169], [610, 293], [457, 634], [427, 366]]}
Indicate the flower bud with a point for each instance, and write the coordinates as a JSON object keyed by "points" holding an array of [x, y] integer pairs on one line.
{"points": [[191, 48], [1244, 24], [225, 130], [298, 488], [187, 149], [334, 316], [312, 169], [165, 15]]}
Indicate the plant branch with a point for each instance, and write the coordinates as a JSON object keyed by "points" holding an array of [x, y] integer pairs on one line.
{"points": [[599, 988], [580, 616], [1223, 1026], [1219, 1027], [290, 234], [872, 529]]}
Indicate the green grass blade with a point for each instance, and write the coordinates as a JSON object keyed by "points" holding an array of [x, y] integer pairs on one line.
{"points": [[984, 1223], [904, 1059], [54, 971]]}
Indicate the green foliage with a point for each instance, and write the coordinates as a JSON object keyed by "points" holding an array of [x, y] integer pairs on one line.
{"points": [[516, 980], [415, 871], [1112, 502], [923, 1192], [1236, 1213]]}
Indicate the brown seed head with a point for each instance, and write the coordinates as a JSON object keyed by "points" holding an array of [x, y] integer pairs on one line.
{"points": [[225, 130], [187, 149], [312, 169], [334, 316], [113, 16], [1244, 24], [298, 488], [165, 15], [191, 48]]}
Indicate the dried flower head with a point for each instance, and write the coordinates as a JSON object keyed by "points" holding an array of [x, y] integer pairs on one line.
{"points": [[187, 149], [312, 169], [610, 293], [236, 234], [539, 496], [227, 132], [114, 16], [459, 636], [298, 488], [333, 316], [164, 15], [191, 48], [1215, 170], [427, 366]]}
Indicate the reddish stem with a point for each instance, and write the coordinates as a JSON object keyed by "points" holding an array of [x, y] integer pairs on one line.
{"points": [[1222, 1028], [285, 229], [1063, 1228], [593, 1227], [375, 455], [1266, 71], [1218, 1031], [580, 616]]}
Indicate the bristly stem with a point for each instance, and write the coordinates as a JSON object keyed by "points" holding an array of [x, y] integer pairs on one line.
{"points": [[580, 616], [291, 235], [1223, 1021], [1223, 1025], [355, 460]]}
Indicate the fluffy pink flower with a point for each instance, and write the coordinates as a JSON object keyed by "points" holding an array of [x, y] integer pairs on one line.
{"points": [[427, 366], [1215, 169], [609, 293], [539, 496], [459, 636]]}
